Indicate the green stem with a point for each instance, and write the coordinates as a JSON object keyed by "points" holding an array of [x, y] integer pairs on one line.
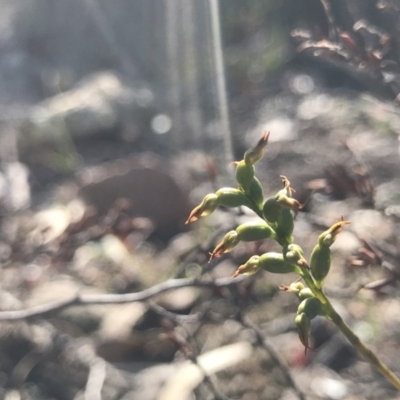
{"points": [[332, 314]]}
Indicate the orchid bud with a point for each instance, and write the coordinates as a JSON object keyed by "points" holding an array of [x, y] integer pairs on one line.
{"points": [[231, 197], [271, 262], [321, 256], [304, 328], [230, 240], [288, 202], [305, 293], [247, 232], [255, 154], [275, 263], [252, 231], [294, 254], [279, 210], [255, 193], [287, 189], [295, 288], [284, 196], [320, 263], [285, 226], [244, 174], [249, 268], [328, 237], [272, 210], [311, 307], [206, 207]]}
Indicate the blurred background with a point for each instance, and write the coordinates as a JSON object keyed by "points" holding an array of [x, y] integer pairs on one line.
{"points": [[116, 118]]}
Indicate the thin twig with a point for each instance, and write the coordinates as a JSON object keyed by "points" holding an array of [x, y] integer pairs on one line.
{"points": [[333, 34], [90, 299], [178, 318], [193, 357], [209, 381], [194, 253], [262, 342]]}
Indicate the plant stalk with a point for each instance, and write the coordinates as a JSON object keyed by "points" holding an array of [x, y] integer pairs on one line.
{"points": [[331, 314], [367, 353]]}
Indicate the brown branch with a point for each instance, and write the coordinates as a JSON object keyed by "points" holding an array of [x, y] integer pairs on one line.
{"points": [[90, 299]]}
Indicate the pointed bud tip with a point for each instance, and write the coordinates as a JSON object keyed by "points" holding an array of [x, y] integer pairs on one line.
{"points": [[217, 253], [192, 217], [335, 229], [264, 139], [212, 256]]}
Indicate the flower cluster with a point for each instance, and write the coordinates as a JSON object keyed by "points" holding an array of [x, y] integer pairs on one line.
{"points": [[276, 222]]}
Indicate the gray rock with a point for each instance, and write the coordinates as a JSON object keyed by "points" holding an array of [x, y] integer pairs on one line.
{"points": [[96, 105], [145, 182]]}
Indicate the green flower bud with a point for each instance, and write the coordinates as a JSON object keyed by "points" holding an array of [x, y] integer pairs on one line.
{"points": [[285, 226], [321, 257], [278, 210], [284, 196], [303, 328], [231, 197], [272, 210], [252, 231], [275, 263], [249, 268], [206, 207], [255, 192], [287, 189], [288, 202], [320, 263], [294, 254], [255, 154], [295, 288], [230, 240], [305, 293], [328, 237], [311, 307], [244, 174], [271, 262]]}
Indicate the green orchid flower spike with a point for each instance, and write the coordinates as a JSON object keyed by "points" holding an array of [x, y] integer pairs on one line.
{"points": [[276, 219]]}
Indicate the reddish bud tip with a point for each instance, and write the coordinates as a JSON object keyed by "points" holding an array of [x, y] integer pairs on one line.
{"points": [[206, 207], [192, 218], [254, 154], [263, 141], [230, 240]]}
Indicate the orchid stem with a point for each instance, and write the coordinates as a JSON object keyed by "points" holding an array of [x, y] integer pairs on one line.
{"points": [[362, 348]]}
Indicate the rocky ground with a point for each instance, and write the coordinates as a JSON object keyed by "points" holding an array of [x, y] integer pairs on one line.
{"points": [[95, 191], [117, 227]]}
